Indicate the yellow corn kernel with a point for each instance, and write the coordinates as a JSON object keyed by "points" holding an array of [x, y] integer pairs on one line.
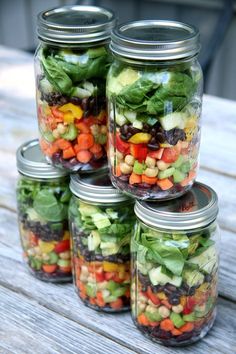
{"points": [[161, 296], [140, 138], [110, 267], [66, 235], [183, 301], [46, 247]]}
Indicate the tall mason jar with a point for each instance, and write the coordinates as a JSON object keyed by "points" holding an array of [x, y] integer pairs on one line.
{"points": [[43, 196], [175, 249], [101, 220], [71, 64], [154, 91]]}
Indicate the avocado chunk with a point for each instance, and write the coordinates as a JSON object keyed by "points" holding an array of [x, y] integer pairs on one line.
{"points": [[87, 210], [94, 240], [177, 319], [157, 277], [193, 277], [207, 260]]}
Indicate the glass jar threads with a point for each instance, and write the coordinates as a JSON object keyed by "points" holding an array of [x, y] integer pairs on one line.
{"points": [[42, 201], [71, 64], [154, 92], [175, 250], [101, 220]]}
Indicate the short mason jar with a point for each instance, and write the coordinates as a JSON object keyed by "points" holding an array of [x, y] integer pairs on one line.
{"points": [[71, 64], [175, 256], [154, 91], [43, 196], [101, 220]]}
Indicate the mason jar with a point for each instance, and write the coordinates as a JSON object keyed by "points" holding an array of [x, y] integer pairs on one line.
{"points": [[175, 250], [43, 196], [71, 64], [154, 91], [101, 220]]}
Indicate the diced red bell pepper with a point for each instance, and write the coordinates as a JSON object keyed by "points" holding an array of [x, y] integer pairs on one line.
{"points": [[110, 275], [156, 154], [121, 145], [100, 277], [62, 246], [152, 296], [189, 305], [139, 151], [170, 155]]}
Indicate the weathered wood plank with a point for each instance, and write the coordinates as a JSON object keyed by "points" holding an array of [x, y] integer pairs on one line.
{"points": [[62, 298], [27, 327]]}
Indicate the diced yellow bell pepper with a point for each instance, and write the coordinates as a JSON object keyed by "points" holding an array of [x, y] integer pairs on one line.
{"points": [[66, 235], [161, 296], [140, 138], [110, 267], [68, 117], [76, 111], [46, 247]]}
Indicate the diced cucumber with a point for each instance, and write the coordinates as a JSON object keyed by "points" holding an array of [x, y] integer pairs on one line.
{"points": [[71, 133], [53, 258], [89, 86], [138, 168], [94, 240], [138, 124], [101, 220], [185, 167], [45, 86], [91, 289], [176, 318], [112, 286], [153, 316], [173, 120], [80, 92], [178, 176], [130, 115], [63, 262], [119, 292], [128, 76], [166, 173], [109, 248], [144, 268], [178, 162], [112, 214], [157, 277], [190, 317], [120, 119]]}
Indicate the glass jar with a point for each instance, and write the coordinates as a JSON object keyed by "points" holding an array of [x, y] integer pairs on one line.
{"points": [[175, 250], [71, 64], [43, 196], [154, 91], [101, 220]]}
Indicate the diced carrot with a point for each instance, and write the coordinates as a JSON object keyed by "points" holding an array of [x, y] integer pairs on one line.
{"points": [[98, 155], [83, 127], [167, 325], [116, 305], [92, 301], [57, 114], [135, 178], [65, 269], [44, 144], [68, 153], [143, 320], [99, 295], [96, 148], [155, 300], [76, 148], [52, 149], [187, 327], [63, 144], [187, 180], [81, 286], [164, 184], [117, 171], [100, 303], [85, 141], [149, 180], [84, 156], [154, 324], [49, 268], [176, 332], [166, 303], [82, 295]]}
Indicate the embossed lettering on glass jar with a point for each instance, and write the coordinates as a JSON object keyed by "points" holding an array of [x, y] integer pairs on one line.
{"points": [[71, 64], [175, 250], [43, 196], [101, 220], [154, 91]]}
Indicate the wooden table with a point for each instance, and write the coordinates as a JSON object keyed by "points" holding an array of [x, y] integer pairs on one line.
{"points": [[41, 318]]}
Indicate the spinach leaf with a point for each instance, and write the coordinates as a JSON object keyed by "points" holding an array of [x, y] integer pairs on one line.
{"points": [[136, 92], [47, 206], [116, 229], [56, 75]]}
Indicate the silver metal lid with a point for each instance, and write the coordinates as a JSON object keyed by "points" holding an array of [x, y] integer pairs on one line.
{"points": [[197, 208], [96, 188], [32, 163], [155, 40], [75, 24]]}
